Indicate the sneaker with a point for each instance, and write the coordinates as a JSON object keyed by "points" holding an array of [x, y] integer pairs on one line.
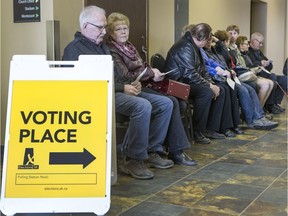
{"points": [[155, 161], [262, 124], [137, 169]]}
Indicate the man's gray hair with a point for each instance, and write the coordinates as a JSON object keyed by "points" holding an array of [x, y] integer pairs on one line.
{"points": [[88, 13], [256, 35]]}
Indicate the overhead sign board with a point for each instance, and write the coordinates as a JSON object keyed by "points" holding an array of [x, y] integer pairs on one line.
{"points": [[58, 133], [27, 11]]}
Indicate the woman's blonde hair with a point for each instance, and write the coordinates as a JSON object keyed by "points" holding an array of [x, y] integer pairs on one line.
{"points": [[116, 19]]}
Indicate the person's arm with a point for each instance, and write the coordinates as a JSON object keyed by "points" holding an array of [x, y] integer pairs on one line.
{"points": [[191, 68]]}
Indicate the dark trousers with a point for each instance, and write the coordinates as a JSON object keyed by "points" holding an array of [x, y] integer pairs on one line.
{"points": [[207, 112], [277, 94], [230, 115]]}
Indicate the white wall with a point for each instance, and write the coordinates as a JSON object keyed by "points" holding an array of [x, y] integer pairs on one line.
{"points": [[161, 27], [221, 13], [275, 40], [67, 12], [0, 70]]}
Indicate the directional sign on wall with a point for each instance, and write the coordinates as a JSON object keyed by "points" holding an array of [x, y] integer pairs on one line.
{"points": [[27, 11]]}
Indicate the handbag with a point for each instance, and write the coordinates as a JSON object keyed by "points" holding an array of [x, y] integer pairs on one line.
{"points": [[247, 76], [171, 87]]}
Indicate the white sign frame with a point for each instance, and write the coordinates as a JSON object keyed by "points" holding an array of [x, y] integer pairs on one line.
{"points": [[36, 67]]}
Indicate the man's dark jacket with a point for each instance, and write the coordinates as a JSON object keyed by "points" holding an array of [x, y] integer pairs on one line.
{"points": [[83, 46], [186, 57]]}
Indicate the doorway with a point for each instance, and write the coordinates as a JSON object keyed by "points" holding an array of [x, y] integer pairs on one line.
{"points": [[137, 12], [259, 19]]}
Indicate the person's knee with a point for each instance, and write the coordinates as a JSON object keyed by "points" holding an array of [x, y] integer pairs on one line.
{"points": [[143, 106]]}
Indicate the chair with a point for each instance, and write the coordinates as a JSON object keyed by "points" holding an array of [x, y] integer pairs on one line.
{"points": [[158, 61]]}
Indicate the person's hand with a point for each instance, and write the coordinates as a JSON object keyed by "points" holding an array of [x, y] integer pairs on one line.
{"points": [[233, 73], [158, 76], [265, 63], [227, 74], [222, 72], [216, 90], [133, 89]]}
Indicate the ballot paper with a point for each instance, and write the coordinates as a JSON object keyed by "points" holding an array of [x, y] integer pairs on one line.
{"points": [[163, 74], [230, 82], [139, 77], [265, 70], [237, 80]]}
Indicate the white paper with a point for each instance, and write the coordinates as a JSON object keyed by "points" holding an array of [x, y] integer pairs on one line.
{"points": [[230, 82], [163, 74], [237, 80], [139, 77], [266, 71]]}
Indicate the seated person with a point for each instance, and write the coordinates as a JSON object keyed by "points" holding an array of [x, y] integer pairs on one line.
{"points": [[207, 98], [146, 111], [219, 75], [265, 85], [226, 46], [129, 65], [259, 59], [251, 108]]}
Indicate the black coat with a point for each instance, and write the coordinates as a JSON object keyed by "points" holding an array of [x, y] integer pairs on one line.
{"points": [[186, 57]]}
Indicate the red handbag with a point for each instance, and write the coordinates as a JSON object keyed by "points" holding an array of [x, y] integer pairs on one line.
{"points": [[171, 87]]}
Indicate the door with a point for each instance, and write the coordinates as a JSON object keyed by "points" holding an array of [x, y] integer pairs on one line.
{"points": [[136, 11]]}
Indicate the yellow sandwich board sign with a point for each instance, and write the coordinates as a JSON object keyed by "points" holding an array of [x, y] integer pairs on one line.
{"points": [[58, 136]]}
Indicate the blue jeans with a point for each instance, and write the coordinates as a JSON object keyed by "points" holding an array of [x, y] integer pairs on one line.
{"points": [[150, 116], [249, 103]]}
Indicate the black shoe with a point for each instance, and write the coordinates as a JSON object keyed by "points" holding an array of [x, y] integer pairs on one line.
{"points": [[200, 138], [229, 133], [214, 135], [280, 108], [237, 130], [182, 159], [273, 109]]}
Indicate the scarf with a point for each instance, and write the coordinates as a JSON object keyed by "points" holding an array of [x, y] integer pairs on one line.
{"points": [[128, 49]]}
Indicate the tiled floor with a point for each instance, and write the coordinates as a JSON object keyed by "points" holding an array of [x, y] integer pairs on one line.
{"points": [[244, 176]]}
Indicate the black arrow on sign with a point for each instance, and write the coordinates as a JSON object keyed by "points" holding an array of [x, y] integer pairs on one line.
{"points": [[67, 158]]}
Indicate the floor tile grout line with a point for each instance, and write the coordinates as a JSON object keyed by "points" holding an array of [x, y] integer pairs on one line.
{"points": [[220, 183], [263, 191]]}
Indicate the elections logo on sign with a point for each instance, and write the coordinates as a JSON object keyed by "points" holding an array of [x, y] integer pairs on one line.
{"points": [[28, 162]]}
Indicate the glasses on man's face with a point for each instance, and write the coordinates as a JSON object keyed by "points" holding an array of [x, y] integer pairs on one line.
{"points": [[246, 44], [260, 42], [101, 28], [118, 30]]}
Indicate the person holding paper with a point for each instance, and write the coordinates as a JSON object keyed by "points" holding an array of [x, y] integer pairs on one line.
{"points": [[259, 59], [229, 124], [207, 97], [149, 114], [247, 96], [129, 65]]}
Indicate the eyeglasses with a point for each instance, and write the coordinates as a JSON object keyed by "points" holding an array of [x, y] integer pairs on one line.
{"points": [[260, 42], [101, 28], [125, 29], [246, 43]]}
